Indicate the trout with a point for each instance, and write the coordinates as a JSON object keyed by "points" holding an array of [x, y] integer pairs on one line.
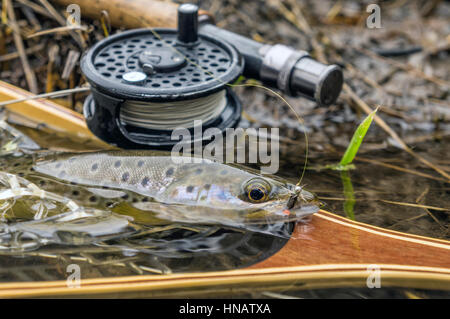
{"points": [[177, 189]]}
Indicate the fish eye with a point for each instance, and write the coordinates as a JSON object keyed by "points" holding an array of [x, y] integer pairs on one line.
{"points": [[257, 190]]}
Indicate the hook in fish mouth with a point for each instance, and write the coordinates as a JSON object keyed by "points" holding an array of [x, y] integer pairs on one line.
{"points": [[296, 190], [301, 203], [292, 201]]}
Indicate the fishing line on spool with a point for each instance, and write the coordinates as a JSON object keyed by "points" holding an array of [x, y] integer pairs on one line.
{"points": [[170, 115], [278, 95]]}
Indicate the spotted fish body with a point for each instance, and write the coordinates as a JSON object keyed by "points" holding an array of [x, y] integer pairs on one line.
{"points": [[178, 190]]}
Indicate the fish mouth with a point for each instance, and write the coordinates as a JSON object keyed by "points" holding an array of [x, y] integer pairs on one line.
{"points": [[303, 211], [286, 215], [300, 204]]}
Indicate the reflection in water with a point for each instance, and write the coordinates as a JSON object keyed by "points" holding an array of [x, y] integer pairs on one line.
{"points": [[48, 224], [72, 228], [166, 250]]}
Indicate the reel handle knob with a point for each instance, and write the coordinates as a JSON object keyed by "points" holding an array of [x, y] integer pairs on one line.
{"points": [[187, 23]]}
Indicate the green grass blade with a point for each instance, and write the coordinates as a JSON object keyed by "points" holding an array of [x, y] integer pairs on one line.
{"points": [[357, 139]]}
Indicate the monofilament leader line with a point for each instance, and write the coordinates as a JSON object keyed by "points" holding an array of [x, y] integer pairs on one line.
{"points": [[54, 94], [170, 115]]}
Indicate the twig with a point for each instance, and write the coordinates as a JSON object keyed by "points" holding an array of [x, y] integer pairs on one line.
{"points": [[296, 16], [407, 68], [364, 77], [415, 217], [15, 55], [71, 61], [29, 73], [52, 55], [420, 199], [35, 7], [31, 16], [415, 205], [55, 14], [423, 194], [105, 22], [398, 168], [57, 30]]}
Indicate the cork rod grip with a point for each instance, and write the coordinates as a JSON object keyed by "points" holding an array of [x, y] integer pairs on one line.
{"points": [[129, 13]]}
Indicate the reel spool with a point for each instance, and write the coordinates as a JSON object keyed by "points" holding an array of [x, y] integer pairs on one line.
{"points": [[144, 84]]}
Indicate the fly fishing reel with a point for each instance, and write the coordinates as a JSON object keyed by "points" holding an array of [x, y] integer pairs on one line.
{"points": [[145, 83]]}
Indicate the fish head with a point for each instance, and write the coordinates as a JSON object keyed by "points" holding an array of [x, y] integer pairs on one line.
{"points": [[269, 200], [241, 196]]}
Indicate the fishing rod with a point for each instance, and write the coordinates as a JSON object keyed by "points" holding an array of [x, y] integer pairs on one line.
{"points": [[147, 82]]}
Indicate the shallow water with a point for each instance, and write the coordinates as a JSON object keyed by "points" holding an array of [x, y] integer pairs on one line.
{"points": [[115, 246]]}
